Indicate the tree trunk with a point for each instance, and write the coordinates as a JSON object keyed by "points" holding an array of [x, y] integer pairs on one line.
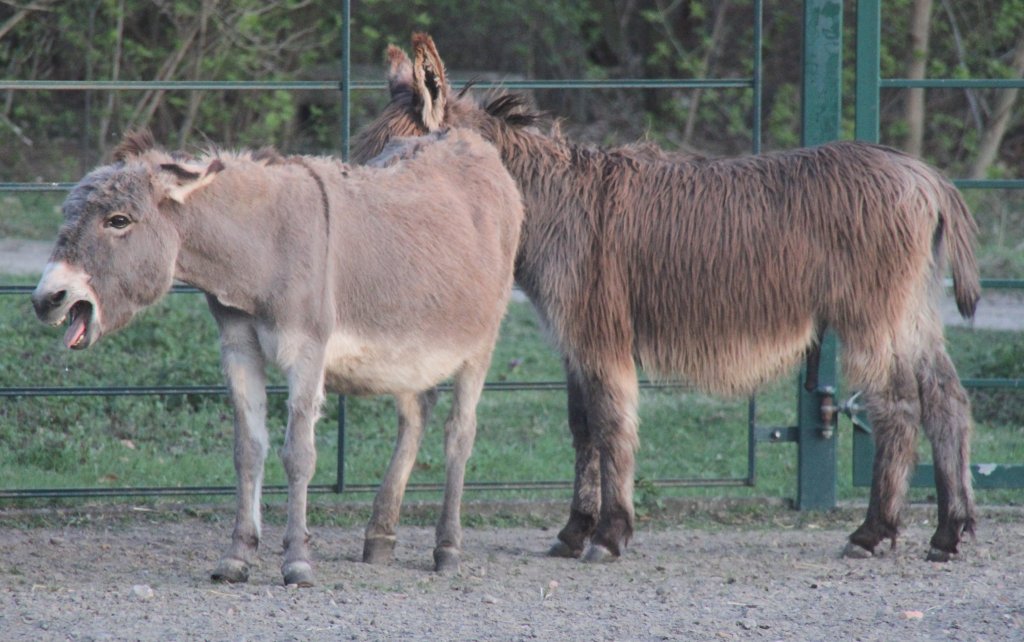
{"points": [[115, 73], [21, 14], [920, 25], [196, 96], [705, 68], [988, 148]]}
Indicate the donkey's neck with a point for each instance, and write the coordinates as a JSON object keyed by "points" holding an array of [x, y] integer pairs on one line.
{"points": [[254, 230], [545, 168]]}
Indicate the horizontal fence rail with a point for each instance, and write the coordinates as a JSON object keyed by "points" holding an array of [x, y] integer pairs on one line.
{"points": [[366, 85], [345, 85], [341, 485]]}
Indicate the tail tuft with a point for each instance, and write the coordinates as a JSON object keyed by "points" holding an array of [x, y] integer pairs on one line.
{"points": [[961, 231]]}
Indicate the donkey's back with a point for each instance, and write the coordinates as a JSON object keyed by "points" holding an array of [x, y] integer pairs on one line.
{"points": [[421, 262], [764, 252]]}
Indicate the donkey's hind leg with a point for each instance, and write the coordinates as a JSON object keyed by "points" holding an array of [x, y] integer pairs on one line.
{"points": [[947, 422], [586, 496], [413, 414], [298, 454], [611, 399], [459, 434], [895, 414]]}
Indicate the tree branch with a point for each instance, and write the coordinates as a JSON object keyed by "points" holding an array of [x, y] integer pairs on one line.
{"points": [[988, 148]]}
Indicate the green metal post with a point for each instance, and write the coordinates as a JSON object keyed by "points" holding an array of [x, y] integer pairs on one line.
{"points": [[346, 103], [346, 76], [339, 471], [868, 70], [821, 112]]}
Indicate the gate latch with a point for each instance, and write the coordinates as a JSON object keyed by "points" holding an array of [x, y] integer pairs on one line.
{"points": [[829, 409]]}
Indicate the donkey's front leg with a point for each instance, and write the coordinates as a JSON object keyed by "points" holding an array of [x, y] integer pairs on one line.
{"points": [[413, 413], [305, 397], [459, 435], [244, 369]]}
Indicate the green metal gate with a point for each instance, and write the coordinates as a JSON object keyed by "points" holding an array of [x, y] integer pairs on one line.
{"points": [[346, 86], [868, 86], [815, 432]]}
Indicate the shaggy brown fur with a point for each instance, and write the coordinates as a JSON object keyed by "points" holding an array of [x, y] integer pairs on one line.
{"points": [[724, 272]]}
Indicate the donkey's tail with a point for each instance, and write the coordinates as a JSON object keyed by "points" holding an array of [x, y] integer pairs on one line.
{"points": [[960, 231]]}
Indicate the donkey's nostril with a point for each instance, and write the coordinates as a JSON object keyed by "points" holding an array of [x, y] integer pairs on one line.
{"points": [[57, 297]]}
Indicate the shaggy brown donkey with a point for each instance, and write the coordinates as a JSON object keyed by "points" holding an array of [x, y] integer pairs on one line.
{"points": [[723, 273]]}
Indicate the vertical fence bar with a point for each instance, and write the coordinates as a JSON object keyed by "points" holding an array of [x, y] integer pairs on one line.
{"points": [[346, 124], [346, 76], [752, 441], [868, 68], [755, 125], [339, 474], [821, 112]]}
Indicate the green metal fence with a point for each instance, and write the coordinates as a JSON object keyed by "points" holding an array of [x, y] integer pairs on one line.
{"points": [[868, 86], [815, 431], [345, 85]]}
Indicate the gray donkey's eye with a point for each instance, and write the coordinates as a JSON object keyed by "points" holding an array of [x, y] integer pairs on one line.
{"points": [[117, 221]]}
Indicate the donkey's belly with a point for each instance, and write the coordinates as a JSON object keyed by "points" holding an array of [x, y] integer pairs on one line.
{"points": [[358, 365]]}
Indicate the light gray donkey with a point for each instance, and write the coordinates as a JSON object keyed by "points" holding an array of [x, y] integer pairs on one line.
{"points": [[366, 280]]}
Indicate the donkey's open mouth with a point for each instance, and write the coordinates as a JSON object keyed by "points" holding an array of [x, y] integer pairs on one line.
{"points": [[64, 294], [80, 318]]}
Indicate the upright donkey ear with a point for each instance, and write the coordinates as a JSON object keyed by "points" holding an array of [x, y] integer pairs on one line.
{"points": [[134, 143], [430, 84], [399, 71], [178, 181]]}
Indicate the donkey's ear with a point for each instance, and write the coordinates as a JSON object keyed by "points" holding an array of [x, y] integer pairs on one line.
{"points": [[430, 85], [135, 143], [399, 71], [178, 181]]}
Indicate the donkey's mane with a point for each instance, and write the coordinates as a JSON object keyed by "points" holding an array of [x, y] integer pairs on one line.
{"points": [[513, 110]]}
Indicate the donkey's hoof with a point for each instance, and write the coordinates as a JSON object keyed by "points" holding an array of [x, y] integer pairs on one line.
{"points": [[446, 560], [598, 554], [378, 550], [299, 573], [856, 552], [561, 549], [231, 571], [938, 555]]}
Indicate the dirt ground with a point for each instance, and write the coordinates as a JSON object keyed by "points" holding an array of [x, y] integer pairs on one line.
{"points": [[771, 574], [112, 574]]}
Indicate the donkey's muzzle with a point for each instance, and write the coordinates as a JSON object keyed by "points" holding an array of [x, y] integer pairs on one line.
{"points": [[63, 294], [48, 304]]}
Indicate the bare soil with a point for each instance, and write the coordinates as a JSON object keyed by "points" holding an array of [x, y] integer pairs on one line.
{"points": [[707, 572], [694, 573]]}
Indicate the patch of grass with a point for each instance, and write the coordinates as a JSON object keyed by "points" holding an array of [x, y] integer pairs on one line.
{"points": [[31, 215], [173, 440]]}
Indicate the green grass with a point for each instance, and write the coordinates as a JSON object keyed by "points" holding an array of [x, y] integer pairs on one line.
{"points": [[30, 215], [179, 440]]}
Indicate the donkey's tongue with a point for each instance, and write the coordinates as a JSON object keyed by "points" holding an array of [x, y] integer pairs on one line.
{"points": [[76, 330]]}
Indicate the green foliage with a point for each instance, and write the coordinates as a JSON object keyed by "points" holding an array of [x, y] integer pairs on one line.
{"points": [[183, 439], [998, 360], [284, 39]]}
